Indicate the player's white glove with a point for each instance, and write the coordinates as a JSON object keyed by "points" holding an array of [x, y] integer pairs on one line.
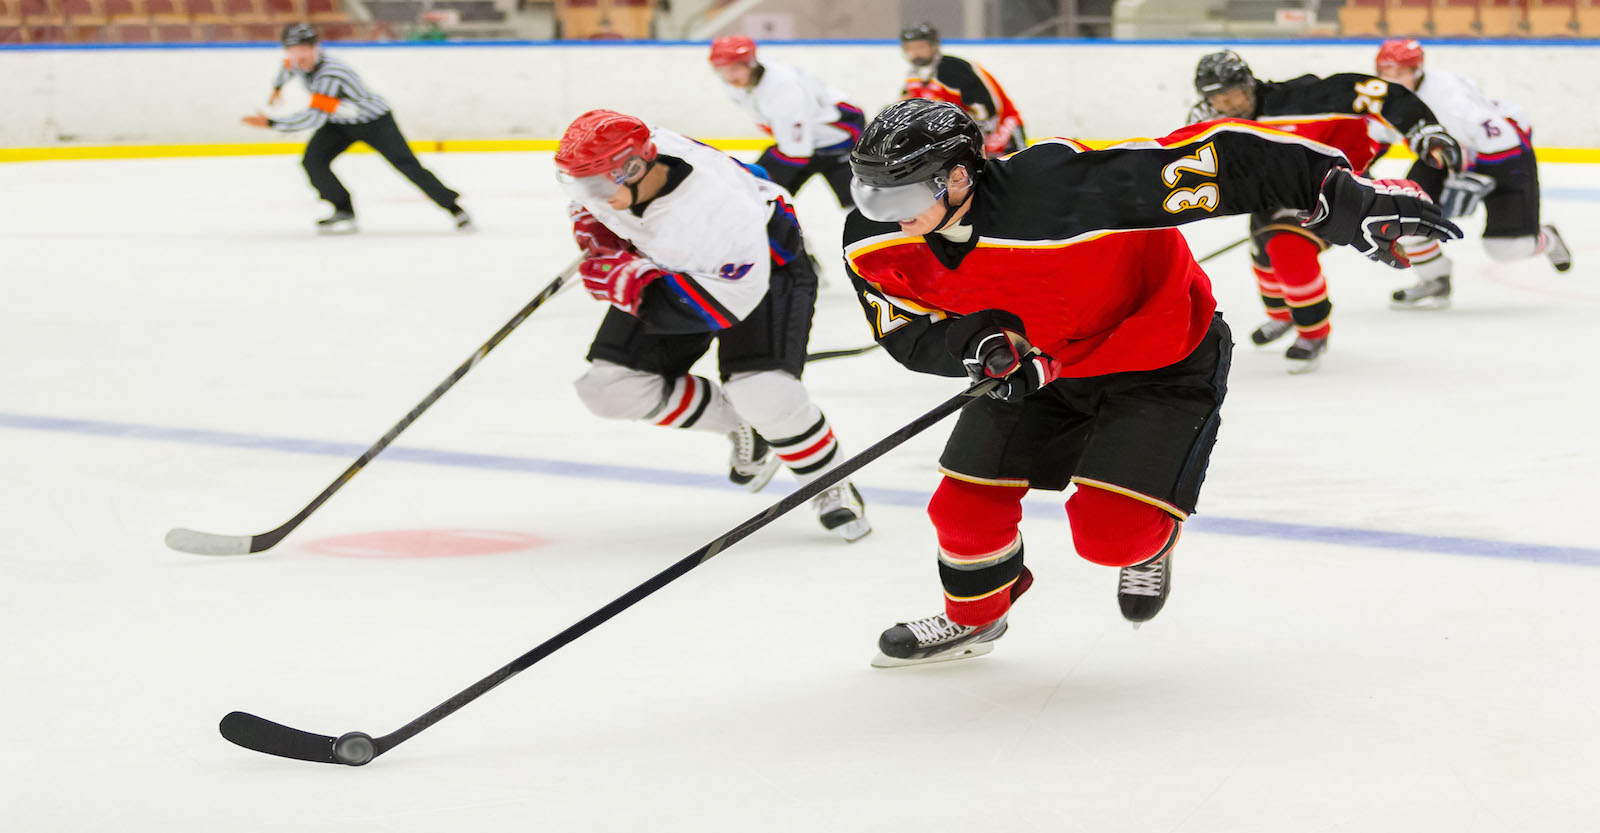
{"points": [[1462, 193], [619, 278], [1371, 215]]}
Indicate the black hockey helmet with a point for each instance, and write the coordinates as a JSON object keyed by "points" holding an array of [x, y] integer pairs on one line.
{"points": [[921, 31], [296, 34], [1221, 71], [901, 165]]}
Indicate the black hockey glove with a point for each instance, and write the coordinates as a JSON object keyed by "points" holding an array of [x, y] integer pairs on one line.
{"points": [[991, 345], [1371, 216], [1437, 148]]}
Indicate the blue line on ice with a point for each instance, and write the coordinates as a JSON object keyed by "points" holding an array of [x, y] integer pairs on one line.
{"points": [[1540, 553]]}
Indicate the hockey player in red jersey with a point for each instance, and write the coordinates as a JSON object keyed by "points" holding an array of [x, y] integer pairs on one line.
{"points": [[813, 127], [690, 248], [1060, 271], [1347, 111], [1501, 172], [940, 77]]}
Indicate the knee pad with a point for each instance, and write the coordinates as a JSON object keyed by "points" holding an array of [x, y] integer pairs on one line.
{"points": [[1294, 258], [1511, 248], [1115, 530], [775, 402], [973, 518], [616, 392]]}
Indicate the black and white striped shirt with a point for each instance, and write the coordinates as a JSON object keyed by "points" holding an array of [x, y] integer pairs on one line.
{"points": [[337, 95]]}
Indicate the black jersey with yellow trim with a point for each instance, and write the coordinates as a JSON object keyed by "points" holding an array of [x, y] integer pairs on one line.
{"points": [[1082, 245], [1344, 94]]}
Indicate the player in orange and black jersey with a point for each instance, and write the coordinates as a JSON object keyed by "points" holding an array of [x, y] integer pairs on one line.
{"points": [[1060, 271], [940, 77], [1349, 111]]}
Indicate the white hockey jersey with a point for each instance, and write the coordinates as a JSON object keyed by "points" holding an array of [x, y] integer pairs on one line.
{"points": [[1487, 127], [803, 115], [709, 232]]}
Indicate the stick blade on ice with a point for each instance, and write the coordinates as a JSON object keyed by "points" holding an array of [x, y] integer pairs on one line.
{"points": [[206, 543], [263, 735]]}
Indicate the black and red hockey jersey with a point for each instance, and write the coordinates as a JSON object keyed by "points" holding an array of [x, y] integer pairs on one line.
{"points": [[1083, 246], [970, 87], [1353, 112]]}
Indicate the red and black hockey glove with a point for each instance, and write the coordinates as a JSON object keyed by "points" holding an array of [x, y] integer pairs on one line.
{"points": [[1371, 215], [991, 345], [619, 278], [1436, 148], [592, 235]]}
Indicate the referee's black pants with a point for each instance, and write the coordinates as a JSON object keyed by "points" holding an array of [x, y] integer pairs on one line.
{"points": [[383, 135]]}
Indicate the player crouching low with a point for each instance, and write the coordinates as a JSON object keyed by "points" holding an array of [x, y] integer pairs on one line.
{"points": [[1060, 271], [690, 248]]}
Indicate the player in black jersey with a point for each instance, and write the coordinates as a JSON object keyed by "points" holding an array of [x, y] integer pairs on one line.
{"points": [[940, 77], [1060, 270], [1344, 111]]}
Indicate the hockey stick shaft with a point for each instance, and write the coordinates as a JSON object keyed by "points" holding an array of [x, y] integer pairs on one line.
{"points": [[264, 736], [1225, 249], [839, 354], [202, 543]]}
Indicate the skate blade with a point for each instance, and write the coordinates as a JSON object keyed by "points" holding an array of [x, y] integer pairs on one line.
{"points": [[763, 476], [883, 660], [853, 531], [1431, 303], [339, 228], [1297, 367]]}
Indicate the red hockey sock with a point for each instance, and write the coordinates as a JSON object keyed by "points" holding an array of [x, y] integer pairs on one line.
{"points": [[1116, 530], [1305, 290], [980, 550]]}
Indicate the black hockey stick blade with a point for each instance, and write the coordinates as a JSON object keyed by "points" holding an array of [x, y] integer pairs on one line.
{"points": [[356, 748], [252, 732], [839, 354], [207, 543]]}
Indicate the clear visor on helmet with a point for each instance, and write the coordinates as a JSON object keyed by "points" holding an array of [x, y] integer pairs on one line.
{"points": [[599, 187], [896, 203]]}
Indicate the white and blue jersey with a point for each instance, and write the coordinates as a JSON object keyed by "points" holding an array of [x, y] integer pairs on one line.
{"points": [[716, 229]]}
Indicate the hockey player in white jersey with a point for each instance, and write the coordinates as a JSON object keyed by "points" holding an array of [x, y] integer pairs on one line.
{"points": [[690, 248], [1502, 173], [813, 126]]}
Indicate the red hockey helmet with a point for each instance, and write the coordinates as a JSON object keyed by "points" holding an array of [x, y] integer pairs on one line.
{"points": [[1400, 52], [733, 49], [600, 150]]}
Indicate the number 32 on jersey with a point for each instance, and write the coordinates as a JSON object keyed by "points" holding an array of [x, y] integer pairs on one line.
{"points": [[1205, 196]]}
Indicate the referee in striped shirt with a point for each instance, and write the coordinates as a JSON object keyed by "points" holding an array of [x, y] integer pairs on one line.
{"points": [[344, 112]]}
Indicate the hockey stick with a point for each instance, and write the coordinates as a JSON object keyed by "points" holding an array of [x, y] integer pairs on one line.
{"points": [[1225, 249], [839, 354], [207, 543], [357, 748]]}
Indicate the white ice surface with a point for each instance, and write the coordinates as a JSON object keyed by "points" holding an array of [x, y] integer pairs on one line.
{"points": [[1293, 684]]}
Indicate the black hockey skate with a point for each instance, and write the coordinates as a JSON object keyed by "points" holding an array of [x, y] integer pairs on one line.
{"points": [[1270, 331], [841, 511], [1560, 256], [462, 219], [1305, 354], [1429, 293], [341, 221], [753, 462], [937, 639], [1142, 590]]}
